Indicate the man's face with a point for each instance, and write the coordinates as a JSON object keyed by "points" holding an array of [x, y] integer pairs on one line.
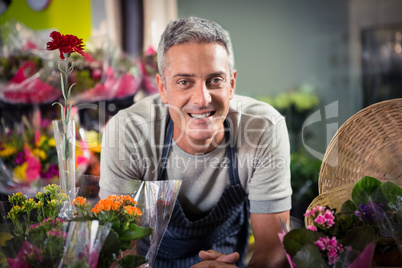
{"points": [[198, 89]]}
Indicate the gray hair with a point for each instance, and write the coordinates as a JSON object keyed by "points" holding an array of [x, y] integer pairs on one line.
{"points": [[193, 30]]}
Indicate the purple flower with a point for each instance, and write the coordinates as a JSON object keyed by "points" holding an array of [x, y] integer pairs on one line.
{"points": [[50, 173], [45, 122], [371, 212], [20, 158]]}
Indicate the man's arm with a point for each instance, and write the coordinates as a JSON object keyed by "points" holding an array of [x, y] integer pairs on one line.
{"points": [[268, 250]]}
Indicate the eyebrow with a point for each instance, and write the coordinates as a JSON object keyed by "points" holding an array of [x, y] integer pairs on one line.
{"points": [[184, 75], [193, 75]]}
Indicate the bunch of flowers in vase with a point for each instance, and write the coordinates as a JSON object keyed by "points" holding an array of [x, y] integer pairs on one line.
{"points": [[352, 237], [64, 129]]}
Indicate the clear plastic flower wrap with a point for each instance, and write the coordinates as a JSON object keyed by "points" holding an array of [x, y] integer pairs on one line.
{"points": [[157, 199], [83, 244], [139, 218]]}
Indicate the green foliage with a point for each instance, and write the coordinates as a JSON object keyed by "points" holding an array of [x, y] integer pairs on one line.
{"points": [[304, 180], [309, 256], [295, 239], [363, 189]]}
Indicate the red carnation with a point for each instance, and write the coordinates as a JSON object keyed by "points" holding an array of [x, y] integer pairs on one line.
{"points": [[65, 44]]}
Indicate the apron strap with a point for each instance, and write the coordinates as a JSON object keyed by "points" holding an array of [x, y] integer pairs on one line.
{"points": [[166, 147]]}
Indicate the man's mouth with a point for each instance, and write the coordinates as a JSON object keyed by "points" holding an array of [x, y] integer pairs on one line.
{"points": [[199, 116]]}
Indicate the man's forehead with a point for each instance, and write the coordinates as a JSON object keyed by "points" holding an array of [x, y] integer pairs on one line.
{"points": [[188, 54]]}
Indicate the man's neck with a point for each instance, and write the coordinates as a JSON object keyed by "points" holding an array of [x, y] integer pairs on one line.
{"points": [[197, 147]]}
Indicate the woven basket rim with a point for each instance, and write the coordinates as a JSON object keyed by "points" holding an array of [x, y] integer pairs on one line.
{"points": [[383, 107]]}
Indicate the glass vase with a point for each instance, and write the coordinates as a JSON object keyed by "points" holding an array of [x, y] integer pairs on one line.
{"points": [[64, 135]]}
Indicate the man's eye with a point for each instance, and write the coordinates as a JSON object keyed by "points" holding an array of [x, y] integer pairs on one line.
{"points": [[183, 82], [216, 80]]}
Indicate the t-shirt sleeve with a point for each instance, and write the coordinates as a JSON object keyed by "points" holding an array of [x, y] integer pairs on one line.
{"points": [[119, 155], [269, 186]]}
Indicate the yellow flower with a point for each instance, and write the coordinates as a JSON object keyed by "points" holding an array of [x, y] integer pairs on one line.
{"points": [[93, 141], [20, 171], [17, 198], [42, 139], [7, 150], [15, 212], [39, 153], [52, 142]]}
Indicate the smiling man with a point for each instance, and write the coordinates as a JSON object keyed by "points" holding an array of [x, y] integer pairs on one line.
{"points": [[231, 153]]}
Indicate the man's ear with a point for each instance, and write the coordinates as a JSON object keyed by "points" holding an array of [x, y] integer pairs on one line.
{"points": [[161, 87], [233, 84]]}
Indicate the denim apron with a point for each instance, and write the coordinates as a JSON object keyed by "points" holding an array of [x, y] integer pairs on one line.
{"points": [[224, 229]]}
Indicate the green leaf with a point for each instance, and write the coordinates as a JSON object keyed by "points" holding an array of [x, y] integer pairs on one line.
{"points": [[61, 107], [348, 207], [71, 69], [295, 239], [135, 232], [359, 237], [363, 188], [388, 193], [111, 244], [309, 256], [69, 90]]}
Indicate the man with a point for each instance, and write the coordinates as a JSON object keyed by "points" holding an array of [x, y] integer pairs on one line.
{"points": [[231, 153]]}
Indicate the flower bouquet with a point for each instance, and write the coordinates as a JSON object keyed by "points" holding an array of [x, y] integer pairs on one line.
{"points": [[29, 156], [96, 237], [104, 74], [27, 75], [350, 238], [149, 68]]}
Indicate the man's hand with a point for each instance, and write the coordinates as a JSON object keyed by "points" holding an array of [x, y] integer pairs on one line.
{"points": [[214, 259]]}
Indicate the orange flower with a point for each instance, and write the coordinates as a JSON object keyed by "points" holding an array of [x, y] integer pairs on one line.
{"points": [[96, 209], [130, 210], [79, 201], [115, 206]]}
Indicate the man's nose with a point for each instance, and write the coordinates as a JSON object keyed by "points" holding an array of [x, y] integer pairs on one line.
{"points": [[201, 96]]}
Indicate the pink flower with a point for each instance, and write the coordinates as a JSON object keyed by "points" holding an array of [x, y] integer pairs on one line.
{"points": [[33, 166], [321, 216], [320, 220], [331, 247], [312, 228], [150, 51]]}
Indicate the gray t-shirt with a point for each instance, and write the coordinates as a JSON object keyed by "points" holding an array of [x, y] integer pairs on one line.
{"points": [[132, 150]]}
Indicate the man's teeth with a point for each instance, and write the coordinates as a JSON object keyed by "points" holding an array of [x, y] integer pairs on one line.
{"points": [[201, 115]]}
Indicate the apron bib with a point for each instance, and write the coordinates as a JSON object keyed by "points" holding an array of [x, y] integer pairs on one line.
{"points": [[224, 229]]}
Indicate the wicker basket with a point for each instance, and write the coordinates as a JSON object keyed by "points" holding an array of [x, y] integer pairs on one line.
{"points": [[367, 144]]}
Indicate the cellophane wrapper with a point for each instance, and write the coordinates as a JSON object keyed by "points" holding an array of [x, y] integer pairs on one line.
{"points": [[157, 200]]}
